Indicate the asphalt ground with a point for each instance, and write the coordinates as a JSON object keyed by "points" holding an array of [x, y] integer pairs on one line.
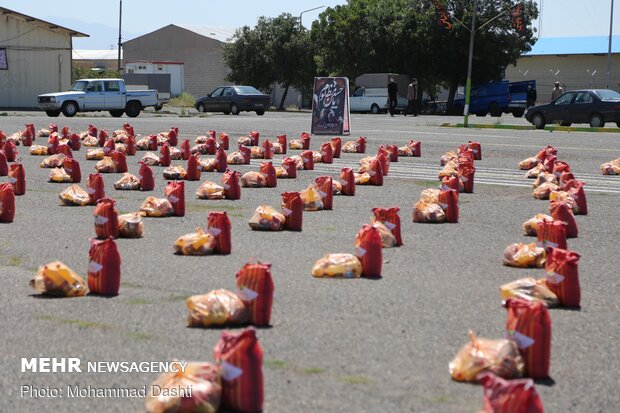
{"points": [[334, 345]]}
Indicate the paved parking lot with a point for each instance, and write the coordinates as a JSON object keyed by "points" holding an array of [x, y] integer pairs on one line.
{"points": [[334, 345]]}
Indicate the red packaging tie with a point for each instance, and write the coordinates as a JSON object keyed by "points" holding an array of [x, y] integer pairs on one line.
{"points": [[560, 211], [104, 267], [293, 209], [193, 169], [17, 178], [336, 147], [281, 139], [290, 166], [106, 219], [164, 158], [221, 161], [552, 234], [509, 396], [186, 149], [529, 325], [147, 180], [308, 160], [562, 268], [224, 141], [449, 202], [327, 155], [369, 245], [240, 358], [72, 167], [218, 225], [175, 194], [269, 171], [255, 288], [347, 180]]}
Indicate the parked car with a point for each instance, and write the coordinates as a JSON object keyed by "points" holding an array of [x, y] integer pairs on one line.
{"points": [[593, 106], [373, 100], [90, 95], [234, 99]]}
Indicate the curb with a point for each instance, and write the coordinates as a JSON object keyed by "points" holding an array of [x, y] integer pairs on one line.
{"points": [[524, 127]]}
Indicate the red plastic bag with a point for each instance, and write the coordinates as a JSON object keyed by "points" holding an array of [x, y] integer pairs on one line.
{"points": [[224, 141], [281, 139], [562, 268], [7, 203], [17, 178], [230, 182], [268, 149], [211, 145], [74, 142], [449, 202], [476, 149], [393, 152], [221, 161], [376, 173], [564, 178], [390, 218], [451, 182], [336, 147], [28, 135], [72, 167], [529, 325], [173, 136], [92, 129], [246, 152], [466, 173], [193, 168], [152, 143], [576, 191], [129, 129], [218, 225], [255, 288], [308, 160], [509, 396], [384, 160], [10, 152], [416, 147], [147, 180], [65, 132], [267, 169], [347, 181], [95, 188], [108, 147], [552, 234], [325, 186], [120, 160], [65, 150], [52, 144], [103, 137], [327, 155], [106, 219], [164, 158], [4, 165], [104, 267], [560, 167], [361, 144], [254, 136], [175, 194], [369, 245], [549, 162], [240, 357], [130, 150], [305, 139], [290, 166], [293, 209], [186, 149], [560, 211]]}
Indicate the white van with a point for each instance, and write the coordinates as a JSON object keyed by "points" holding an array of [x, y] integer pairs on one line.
{"points": [[373, 100]]}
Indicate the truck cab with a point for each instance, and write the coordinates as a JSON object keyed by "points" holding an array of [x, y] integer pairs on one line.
{"points": [[493, 98]]}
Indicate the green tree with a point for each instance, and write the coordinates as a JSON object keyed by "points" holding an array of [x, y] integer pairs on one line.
{"points": [[402, 36], [276, 50]]}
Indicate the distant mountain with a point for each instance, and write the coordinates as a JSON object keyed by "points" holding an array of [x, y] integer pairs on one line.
{"points": [[102, 37]]}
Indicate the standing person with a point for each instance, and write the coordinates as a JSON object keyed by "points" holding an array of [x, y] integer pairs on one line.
{"points": [[412, 94], [557, 91], [531, 96], [392, 96]]}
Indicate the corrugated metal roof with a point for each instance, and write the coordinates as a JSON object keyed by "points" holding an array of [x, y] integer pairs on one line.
{"points": [[51, 26], [574, 45], [222, 34], [82, 54]]}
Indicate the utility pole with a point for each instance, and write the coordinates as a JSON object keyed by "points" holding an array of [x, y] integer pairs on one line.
{"points": [[611, 27], [120, 21], [469, 65], [302, 13]]}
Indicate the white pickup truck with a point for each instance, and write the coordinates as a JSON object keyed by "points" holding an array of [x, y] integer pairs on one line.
{"points": [[89, 95], [373, 100]]}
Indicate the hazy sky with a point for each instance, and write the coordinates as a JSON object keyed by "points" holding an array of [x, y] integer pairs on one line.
{"points": [[560, 18]]}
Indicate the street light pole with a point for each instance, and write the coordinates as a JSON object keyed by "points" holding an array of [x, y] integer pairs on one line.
{"points": [[120, 20], [611, 27], [302, 13], [469, 65]]}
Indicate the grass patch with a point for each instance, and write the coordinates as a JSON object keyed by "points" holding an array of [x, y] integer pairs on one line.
{"points": [[4, 114], [138, 301], [184, 100], [14, 261], [95, 326], [212, 207], [440, 399], [427, 184], [275, 364], [176, 298], [313, 370], [354, 380], [126, 284]]}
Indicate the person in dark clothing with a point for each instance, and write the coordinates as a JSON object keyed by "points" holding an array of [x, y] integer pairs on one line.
{"points": [[412, 94], [392, 96], [531, 96]]}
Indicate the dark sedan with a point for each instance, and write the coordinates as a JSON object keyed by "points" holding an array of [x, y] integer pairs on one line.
{"points": [[234, 99], [593, 106]]}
